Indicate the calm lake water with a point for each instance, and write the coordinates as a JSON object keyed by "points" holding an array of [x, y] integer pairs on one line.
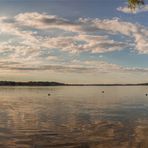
{"points": [[74, 117]]}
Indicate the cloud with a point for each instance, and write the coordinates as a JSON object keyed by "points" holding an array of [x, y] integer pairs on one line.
{"points": [[80, 41], [33, 32], [126, 9], [27, 40], [75, 66], [78, 36]]}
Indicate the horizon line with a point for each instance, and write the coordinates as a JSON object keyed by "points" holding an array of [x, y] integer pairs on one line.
{"points": [[54, 83]]}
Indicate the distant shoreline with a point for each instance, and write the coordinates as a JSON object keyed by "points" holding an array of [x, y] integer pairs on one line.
{"points": [[46, 83]]}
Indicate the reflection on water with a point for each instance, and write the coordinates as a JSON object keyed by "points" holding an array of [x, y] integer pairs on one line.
{"points": [[73, 117]]}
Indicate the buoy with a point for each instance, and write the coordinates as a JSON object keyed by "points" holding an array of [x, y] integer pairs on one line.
{"points": [[48, 94], [102, 91], [146, 94]]}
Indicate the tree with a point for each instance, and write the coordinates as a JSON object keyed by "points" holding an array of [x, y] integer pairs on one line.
{"points": [[133, 4]]}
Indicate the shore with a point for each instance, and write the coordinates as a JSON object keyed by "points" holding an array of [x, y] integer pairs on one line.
{"points": [[46, 83]]}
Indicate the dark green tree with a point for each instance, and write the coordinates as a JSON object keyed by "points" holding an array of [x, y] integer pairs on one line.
{"points": [[133, 4]]}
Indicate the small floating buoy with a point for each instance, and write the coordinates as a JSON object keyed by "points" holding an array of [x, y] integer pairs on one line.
{"points": [[48, 94], [146, 94], [102, 91]]}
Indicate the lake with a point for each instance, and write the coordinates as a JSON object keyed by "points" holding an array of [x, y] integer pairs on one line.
{"points": [[74, 117]]}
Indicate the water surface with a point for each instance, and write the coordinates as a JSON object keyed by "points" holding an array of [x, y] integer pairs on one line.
{"points": [[74, 117]]}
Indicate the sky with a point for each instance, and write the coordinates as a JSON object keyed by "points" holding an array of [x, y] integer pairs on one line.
{"points": [[73, 41]]}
